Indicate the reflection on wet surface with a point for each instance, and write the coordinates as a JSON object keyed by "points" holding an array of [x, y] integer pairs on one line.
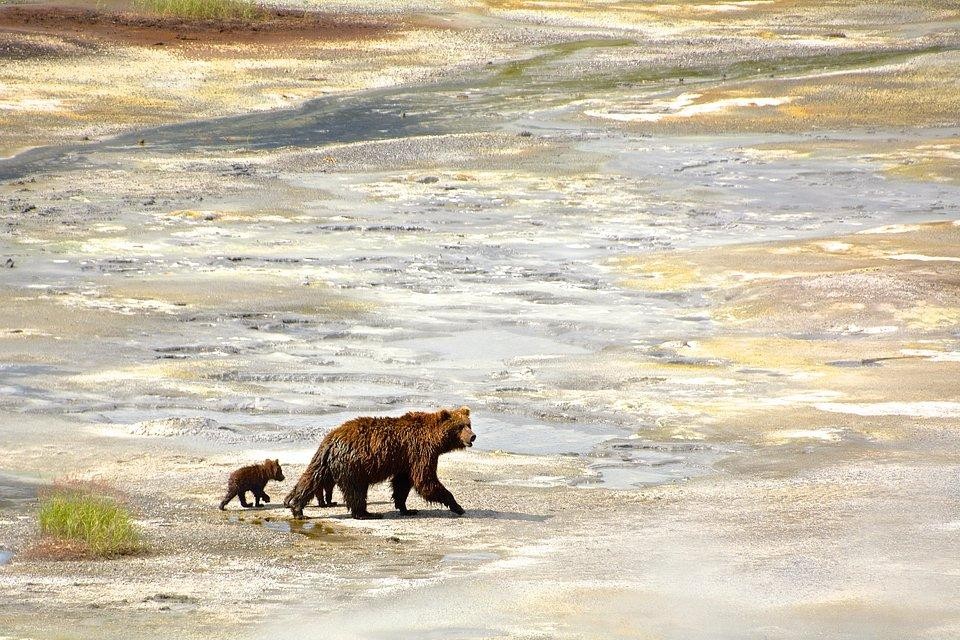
{"points": [[314, 529]]}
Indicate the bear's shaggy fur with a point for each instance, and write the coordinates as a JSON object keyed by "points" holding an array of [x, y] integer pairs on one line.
{"points": [[324, 485], [366, 451], [252, 478]]}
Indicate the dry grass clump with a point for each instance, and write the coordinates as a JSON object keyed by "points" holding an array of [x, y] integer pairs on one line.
{"points": [[204, 9], [84, 520]]}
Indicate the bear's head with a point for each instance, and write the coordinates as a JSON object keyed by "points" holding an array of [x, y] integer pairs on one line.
{"points": [[274, 472], [456, 423]]}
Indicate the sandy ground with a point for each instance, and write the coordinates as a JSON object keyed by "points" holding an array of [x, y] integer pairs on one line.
{"points": [[704, 309]]}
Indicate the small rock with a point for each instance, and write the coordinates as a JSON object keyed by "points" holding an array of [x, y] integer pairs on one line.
{"points": [[428, 180], [524, 134], [8, 263]]}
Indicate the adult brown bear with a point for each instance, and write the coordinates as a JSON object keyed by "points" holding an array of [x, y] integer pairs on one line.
{"points": [[365, 451]]}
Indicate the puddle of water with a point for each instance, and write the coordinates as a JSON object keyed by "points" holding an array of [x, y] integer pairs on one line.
{"points": [[16, 489], [314, 529], [626, 476], [5, 557], [475, 557], [518, 434], [629, 463]]}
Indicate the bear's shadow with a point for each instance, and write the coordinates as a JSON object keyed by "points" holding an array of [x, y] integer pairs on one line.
{"points": [[392, 514]]}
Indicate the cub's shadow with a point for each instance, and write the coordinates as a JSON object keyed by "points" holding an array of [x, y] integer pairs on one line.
{"points": [[263, 507]]}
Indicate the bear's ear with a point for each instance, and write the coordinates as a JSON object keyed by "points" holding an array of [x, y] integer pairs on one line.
{"points": [[276, 461], [465, 410], [444, 415]]}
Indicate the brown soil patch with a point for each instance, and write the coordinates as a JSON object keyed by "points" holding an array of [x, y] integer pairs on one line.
{"points": [[148, 30], [54, 548]]}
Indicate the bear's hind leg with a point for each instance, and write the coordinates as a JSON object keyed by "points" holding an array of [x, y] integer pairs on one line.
{"points": [[231, 494], [356, 498], [243, 499], [401, 489]]}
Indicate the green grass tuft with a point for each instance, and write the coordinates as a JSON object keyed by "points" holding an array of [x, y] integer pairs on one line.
{"points": [[100, 523], [204, 9]]}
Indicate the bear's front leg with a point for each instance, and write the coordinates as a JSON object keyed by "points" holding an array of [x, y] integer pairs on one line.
{"points": [[243, 499], [433, 490]]}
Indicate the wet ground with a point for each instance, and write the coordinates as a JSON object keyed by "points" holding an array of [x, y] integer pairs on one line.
{"points": [[703, 306]]}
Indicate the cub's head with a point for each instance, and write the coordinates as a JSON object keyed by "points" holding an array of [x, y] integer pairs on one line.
{"points": [[274, 472], [457, 426]]}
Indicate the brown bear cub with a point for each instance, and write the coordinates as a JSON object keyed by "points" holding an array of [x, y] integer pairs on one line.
{"points": [[366, 451], [252, 478]]}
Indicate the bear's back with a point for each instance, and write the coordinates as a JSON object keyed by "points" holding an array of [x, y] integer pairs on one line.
{"points": [[251, 474]]}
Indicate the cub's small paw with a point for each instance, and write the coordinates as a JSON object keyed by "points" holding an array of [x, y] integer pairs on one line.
{"points": [[409, 512], [457, 509]]}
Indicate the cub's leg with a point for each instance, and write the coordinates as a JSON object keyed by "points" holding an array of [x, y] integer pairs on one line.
{"points": [[325, 496], [401, 489], [355, 495], [243, 499], [328, 493]]}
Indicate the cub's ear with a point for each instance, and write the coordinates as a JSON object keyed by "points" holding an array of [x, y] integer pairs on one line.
{"points": [[444, 415], [465, 410], [277, 460]]}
